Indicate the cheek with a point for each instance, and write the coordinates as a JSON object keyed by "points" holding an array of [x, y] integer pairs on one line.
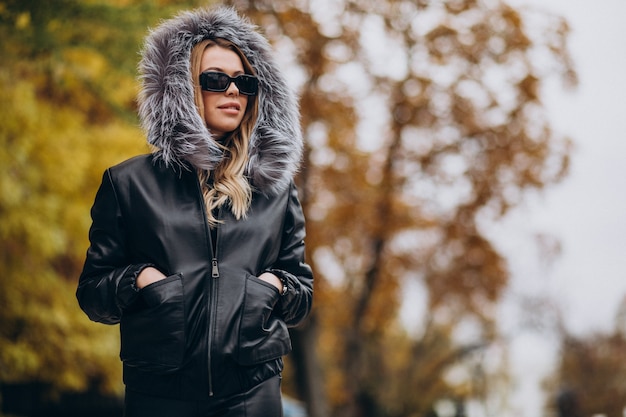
{"points": [[245, 102], [206, 100], [208, 103]]}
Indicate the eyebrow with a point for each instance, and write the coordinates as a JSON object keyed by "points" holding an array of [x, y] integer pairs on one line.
{"points": [[218, 69]]}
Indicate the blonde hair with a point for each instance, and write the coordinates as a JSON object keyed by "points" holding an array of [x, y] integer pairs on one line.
{"points": [[227, 184]]}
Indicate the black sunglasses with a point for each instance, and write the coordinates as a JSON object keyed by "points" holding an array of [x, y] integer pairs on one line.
{"points": [[218, 81]]}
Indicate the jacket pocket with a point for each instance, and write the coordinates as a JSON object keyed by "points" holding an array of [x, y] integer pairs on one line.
{"points": [[153, 337], [263, 336]]}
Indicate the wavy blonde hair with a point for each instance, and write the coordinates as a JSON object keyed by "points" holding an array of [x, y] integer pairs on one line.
{"points": [[227, 184]]}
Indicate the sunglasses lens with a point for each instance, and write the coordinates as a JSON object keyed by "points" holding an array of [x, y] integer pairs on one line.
{"points": [[247, 84], [214, 81], [218, 81]]}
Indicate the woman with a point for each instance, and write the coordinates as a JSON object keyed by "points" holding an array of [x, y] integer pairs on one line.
{"points": [[198, 249]]}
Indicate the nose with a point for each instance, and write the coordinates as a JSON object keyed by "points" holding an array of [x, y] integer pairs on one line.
{"points": [[232, 89]]}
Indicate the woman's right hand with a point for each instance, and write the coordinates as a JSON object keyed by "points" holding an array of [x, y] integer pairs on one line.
{"points": [[148, 276]]}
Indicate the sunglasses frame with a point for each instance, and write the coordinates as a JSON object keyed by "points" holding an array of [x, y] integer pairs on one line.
{"points": [[204, 81]]}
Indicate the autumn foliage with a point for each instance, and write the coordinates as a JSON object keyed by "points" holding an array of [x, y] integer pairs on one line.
{"points": [[423, 120]]}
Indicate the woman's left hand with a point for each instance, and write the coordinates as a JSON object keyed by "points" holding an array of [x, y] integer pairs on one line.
{"points": [[272, 279]]}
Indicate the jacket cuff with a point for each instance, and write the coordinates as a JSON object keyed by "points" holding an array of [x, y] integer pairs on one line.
{"points": [[127, 291], [284, 277]]}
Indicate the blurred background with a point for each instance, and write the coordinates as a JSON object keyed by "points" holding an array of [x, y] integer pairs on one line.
{"points": [[462, 183]]}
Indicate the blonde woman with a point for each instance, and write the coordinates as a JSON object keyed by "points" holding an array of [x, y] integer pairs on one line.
{"points": [[197, 250]]}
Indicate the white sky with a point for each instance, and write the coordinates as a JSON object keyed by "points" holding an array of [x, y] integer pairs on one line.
{"points": [[586, 212]]}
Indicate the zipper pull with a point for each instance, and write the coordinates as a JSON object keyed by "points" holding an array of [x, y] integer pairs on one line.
{"points": [[215, 272]]}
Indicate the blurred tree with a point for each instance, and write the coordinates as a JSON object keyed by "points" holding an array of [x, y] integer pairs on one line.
{"points": [[591, 376], [423, 120]]}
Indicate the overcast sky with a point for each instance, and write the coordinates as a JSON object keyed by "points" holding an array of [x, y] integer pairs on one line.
{"points": [[587, 211]]}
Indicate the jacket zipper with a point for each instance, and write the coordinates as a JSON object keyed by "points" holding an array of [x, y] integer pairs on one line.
{"points": [[212, 307], [215, 274]]}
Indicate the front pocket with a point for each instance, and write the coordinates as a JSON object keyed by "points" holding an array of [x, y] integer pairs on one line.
{"points": [[153, 337], [263, 335]]}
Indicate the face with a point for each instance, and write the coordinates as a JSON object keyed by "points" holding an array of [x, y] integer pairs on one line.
{"points": [[223, 111]]}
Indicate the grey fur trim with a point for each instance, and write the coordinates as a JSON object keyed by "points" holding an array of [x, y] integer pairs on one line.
{"points": [[169, 116]]}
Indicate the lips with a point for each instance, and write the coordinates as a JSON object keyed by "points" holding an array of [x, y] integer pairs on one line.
{"points": [[233, 106]]}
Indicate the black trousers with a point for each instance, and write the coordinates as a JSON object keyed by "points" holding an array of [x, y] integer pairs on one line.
{"points": [[263, 400]]}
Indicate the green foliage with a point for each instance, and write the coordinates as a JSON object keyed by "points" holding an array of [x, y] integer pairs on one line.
{"points": [[68, 112], [67, 88], [51, 160]]}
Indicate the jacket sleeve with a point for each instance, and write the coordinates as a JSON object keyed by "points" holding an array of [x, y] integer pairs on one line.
{"points": [[106, 284], [291, 267]]}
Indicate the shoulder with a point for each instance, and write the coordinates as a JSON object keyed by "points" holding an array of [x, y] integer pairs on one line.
{"points": [[145, 171], [145, 165], [282, 201], [149, 168]]}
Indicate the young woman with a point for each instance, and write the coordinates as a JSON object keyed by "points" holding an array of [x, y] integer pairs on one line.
{"points": [[197, 250]]}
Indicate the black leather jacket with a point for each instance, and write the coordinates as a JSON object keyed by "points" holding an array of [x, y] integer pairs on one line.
{"points": [[211, 327]]}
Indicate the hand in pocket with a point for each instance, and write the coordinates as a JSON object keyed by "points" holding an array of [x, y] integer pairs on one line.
{"points": [[148, 276]]}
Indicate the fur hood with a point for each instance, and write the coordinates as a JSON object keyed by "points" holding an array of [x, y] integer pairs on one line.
{"points": [[169, 116]]}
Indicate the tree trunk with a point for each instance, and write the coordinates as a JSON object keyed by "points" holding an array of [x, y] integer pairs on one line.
{"points": [[309, 377]]}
